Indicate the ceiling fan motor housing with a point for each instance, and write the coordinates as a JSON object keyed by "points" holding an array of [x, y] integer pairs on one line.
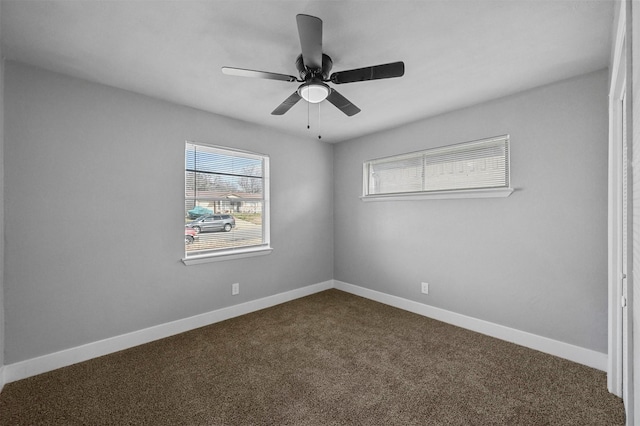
{"points": [[306, 73]]}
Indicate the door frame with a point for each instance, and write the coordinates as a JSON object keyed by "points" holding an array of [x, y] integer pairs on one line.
{"points": [[619, 373]]}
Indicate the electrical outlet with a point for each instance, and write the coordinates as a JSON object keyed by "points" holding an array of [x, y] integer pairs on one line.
{"points": [[235, 288], [425, 288]]}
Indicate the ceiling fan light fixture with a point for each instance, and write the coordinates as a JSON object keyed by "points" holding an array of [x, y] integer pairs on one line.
{"points": [[314, 91]]}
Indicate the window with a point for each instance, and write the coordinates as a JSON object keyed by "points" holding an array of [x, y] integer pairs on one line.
{"points": [[473, 169], [226, 203]]}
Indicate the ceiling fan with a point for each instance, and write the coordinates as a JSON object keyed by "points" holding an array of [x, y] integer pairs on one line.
{"points": [[314, 67]]}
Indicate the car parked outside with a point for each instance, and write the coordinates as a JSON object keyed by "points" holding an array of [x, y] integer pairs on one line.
{"points": [[212, 223], [190, 235]]}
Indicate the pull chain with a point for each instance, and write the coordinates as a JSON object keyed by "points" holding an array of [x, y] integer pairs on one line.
{"points": [[319, 137], [308, 118]]}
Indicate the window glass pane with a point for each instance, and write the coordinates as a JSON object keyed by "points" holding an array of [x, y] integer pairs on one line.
{"points": [[396, 176], [467, 167], [246, 230]]}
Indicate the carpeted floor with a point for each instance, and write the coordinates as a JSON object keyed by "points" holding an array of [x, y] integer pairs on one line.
{"points": [[328, 359]]}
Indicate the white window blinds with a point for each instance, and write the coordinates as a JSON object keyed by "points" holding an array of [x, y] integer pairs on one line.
{"points": [[473, 165]]}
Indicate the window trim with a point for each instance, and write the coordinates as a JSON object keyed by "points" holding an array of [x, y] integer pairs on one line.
{"points": [[244, 251], [486, 192], [442, 195], [228, 255]]}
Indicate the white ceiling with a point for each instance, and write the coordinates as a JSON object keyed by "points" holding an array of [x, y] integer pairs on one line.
{"points": [[456, 53]]}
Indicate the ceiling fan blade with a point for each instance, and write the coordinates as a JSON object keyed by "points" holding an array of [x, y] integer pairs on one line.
{"points": [[376, 72], [342, 103], [310, 31], [287, 104], [257, 74]]}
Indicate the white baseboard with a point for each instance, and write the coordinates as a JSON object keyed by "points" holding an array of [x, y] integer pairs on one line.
{"points": [[573, 353], [31, 367]]}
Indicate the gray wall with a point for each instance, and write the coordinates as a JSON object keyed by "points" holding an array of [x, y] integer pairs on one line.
{"points": [[536, 261], [94, 213]]}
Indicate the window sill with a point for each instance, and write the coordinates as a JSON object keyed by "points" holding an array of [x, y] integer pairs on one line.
{"points": [[227, 255], [469, 193]]}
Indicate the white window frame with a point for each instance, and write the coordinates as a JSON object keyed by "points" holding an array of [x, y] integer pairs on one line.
{"points": [[247, 251], [483, 192]]}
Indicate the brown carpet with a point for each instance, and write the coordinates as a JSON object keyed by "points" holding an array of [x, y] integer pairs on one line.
{"points": [[328, 359]]}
